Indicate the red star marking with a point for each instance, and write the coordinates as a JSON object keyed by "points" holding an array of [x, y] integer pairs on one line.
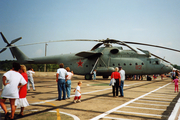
{"points": [[80, 63]]}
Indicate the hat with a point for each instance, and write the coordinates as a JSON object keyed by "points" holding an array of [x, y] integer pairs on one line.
{"points": [[120, 67]]}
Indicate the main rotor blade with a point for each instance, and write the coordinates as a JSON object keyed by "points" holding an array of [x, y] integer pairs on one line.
{"points": [[151, 45], [96, 46], [156, 56], [132, 48], [15, 40], [160, 58], [5, 40], [52, 42]]}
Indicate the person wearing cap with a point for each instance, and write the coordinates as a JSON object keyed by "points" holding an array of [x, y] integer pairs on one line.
{"points": [[122, 73]]}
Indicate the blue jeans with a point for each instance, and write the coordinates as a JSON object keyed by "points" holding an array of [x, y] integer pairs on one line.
{"points": [[68, 88], [94, 78], [121, 88], [31, 80], [61, 87]]}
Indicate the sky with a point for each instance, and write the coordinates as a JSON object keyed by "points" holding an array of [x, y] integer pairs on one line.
{"points": [[148, 21]]}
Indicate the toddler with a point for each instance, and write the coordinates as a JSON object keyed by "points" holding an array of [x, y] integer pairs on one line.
{"points": [[77, 93], [176, 83]]}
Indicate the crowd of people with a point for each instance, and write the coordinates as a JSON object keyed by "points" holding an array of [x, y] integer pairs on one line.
{"points": [[16, 83]]}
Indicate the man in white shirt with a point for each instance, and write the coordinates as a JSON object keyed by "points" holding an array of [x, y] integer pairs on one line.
{"points": [[122, 73], [61, 75], [30, 73]]}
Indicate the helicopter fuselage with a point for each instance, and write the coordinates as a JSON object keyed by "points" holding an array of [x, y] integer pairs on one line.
{"points": [[107, 59]]}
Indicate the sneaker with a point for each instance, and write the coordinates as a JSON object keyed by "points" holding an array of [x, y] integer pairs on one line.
{"points": [[74, 101], [121, 96], [7, 116], [78, 100]]}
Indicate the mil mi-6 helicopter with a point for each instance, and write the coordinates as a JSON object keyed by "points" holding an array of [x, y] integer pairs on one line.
{"points": [[102, 59]]}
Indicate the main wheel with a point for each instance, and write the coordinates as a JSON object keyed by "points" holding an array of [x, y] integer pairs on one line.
{"points": [[88, 77], [105, 76]]}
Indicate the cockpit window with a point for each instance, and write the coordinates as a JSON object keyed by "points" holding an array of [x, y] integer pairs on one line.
{"points": [[156, 62]]}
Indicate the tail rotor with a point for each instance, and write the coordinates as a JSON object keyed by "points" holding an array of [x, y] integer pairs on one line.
{"points": [[8, 44]]}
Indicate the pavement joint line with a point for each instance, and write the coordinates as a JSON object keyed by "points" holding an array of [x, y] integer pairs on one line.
{"points": [[162, 96], [125, 104], [142, 114], [155, 98], [149, 104], [154, 101], [113, 118], [145, 108]]}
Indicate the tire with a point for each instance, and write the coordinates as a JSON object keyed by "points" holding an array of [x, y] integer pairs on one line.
{"points": [[88, 77], [105, 76]]}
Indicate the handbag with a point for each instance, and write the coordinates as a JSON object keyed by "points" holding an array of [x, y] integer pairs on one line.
{"points": [[112, 81], [67, 84]]}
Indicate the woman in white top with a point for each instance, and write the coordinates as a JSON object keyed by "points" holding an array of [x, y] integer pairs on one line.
{"points": [[68, 82]]}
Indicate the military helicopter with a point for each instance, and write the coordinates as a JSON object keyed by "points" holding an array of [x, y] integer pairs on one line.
{"points": [[102, 59]]}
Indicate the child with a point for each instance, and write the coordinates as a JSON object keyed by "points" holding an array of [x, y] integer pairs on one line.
{"points": [[22, 101], [77, 93], [94, 77], [176, 80]]}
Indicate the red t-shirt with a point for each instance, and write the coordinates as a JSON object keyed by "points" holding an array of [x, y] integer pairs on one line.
{"points": [[23, 90], [115, 75]]}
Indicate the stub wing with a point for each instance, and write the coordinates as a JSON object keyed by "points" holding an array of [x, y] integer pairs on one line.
{"points": [[89, 54]]}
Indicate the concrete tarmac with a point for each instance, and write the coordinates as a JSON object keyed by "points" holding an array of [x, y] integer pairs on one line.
{"points": [[142, 100]]}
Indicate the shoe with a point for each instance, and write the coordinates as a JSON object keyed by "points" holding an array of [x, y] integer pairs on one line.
{"points": [[7, 116], [34, 90], [20, 115], [58, 100], [78, 100], [121, 96], [74, 101]]}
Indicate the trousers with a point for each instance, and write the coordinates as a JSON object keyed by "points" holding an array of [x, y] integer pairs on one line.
{"points": [[61, 88], [32, 82], [68, 88], [121, 88]]}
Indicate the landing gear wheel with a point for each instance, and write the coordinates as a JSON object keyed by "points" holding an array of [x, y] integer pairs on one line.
{"points": [[88, 77], [105, 76]]}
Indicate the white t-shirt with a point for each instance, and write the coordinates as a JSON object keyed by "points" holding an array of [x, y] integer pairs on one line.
{"points": [[122, 73], [62, 73], [11, 89], [76, 92], [29, 73], [69, 75]]}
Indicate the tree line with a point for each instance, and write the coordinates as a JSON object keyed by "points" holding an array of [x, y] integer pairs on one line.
{"points": [[7, 65]]}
